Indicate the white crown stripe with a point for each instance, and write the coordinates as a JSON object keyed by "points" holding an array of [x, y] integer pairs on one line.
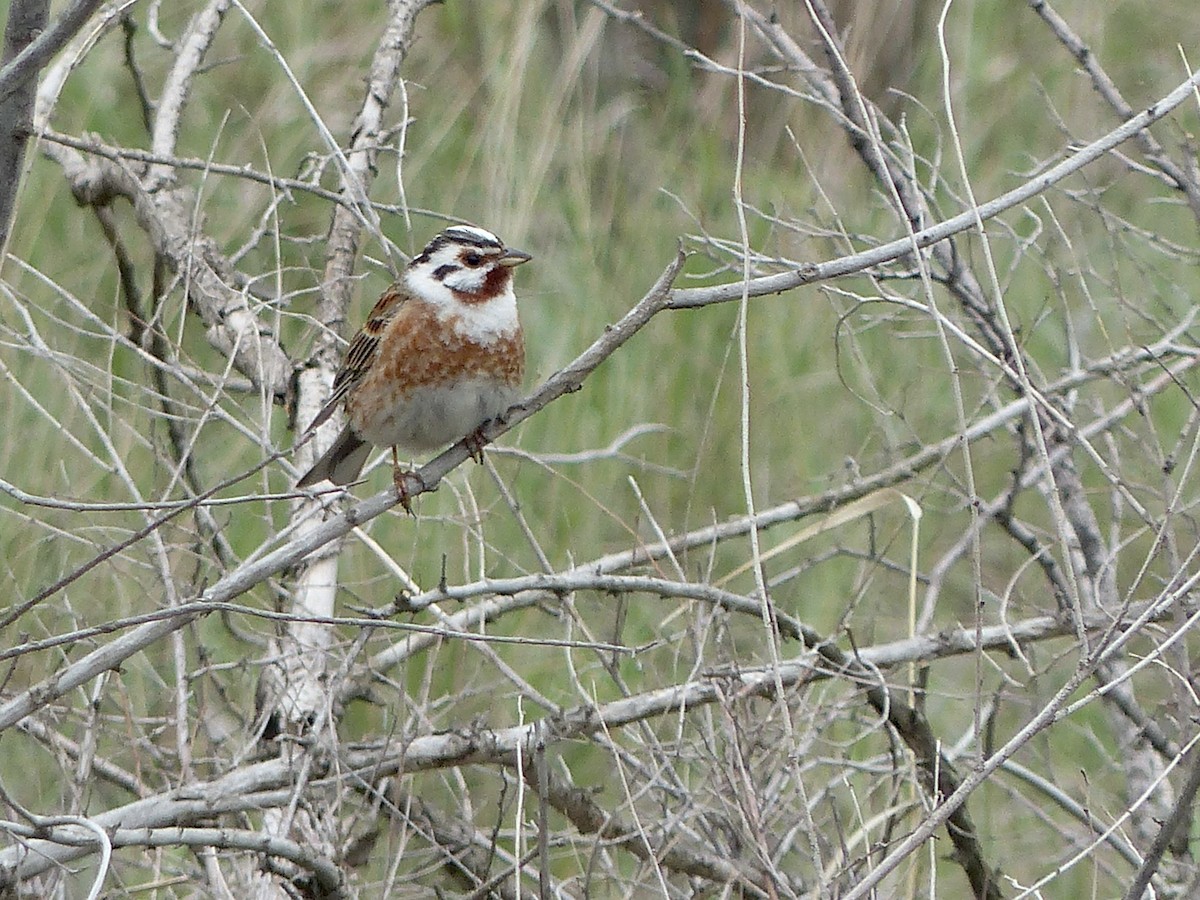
{"points": [[471, 234]]}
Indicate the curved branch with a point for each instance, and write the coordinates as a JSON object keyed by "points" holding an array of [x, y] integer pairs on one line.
{"points": [[21, 70], [247, 576], [686, 298], [268, 784]]}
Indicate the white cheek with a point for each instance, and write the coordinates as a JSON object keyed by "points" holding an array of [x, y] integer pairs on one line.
{"points": [[466, 280], [478, 322], [421, 283]]}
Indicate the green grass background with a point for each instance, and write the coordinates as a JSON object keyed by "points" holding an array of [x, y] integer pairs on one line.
{"points": [[595, 149]]}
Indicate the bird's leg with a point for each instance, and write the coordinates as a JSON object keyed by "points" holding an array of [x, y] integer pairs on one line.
{"points": [[475, 442], [407, 483]]}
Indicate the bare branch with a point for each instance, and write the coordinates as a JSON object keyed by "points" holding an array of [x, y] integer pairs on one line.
{"points": [[21, 70], [26, 19], [683, 298]]}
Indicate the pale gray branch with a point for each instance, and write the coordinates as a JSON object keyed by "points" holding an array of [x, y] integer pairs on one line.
{"points": [[260, 785], [684, 298], [20, 70]]}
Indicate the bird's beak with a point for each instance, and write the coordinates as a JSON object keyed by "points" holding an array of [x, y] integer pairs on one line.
{"points": [[512, 257]]}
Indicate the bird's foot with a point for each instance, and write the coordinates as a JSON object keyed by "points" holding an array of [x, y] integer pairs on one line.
{"points": [[408, 484], [475, 442]]}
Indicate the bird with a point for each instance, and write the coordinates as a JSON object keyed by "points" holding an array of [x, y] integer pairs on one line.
{"points": [[440, 355]]}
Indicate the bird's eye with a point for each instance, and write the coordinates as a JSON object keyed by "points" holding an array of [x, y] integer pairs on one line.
{"points": [[472, 259]]}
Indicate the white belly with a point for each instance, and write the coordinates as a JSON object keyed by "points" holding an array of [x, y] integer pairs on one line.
{"points": [[433, 417]]}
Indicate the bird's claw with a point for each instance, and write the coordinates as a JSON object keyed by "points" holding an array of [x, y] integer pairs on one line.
{"points": [[408, 484], [475, 442]]}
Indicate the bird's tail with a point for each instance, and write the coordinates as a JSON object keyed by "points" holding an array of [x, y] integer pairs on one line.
{"points": [[341, 463]]}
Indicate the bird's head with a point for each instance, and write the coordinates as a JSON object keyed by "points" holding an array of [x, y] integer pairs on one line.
{"points": [[469, 263]]}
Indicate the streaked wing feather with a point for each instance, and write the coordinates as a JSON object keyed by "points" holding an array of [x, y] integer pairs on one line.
{"points": [[364, 347]]}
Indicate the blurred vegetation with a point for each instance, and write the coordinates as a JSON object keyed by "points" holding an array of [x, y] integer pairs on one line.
{"points": [[582, 141]]}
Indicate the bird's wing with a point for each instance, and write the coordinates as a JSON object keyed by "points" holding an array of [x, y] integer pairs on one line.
{"points": [[364, 348]]}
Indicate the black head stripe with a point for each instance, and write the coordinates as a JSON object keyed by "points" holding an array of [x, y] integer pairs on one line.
{"points": [[476, 237], [485, 241], [441, 272]]}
